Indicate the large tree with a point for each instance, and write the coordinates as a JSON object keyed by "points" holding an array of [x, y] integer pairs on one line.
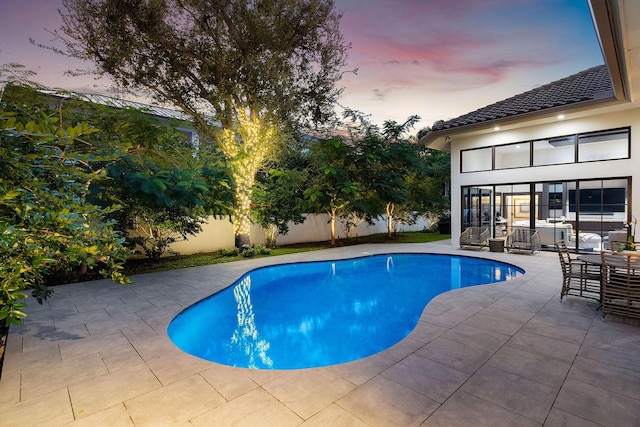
{"points": [[333, 186], [244, 69]]}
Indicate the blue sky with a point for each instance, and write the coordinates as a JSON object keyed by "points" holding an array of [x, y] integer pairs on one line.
{"points": [[435, 58]]}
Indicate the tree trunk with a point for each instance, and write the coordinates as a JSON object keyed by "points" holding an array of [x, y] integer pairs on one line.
{"points": [[242, 212], [332, 215], [242, 240], [390, 209]]}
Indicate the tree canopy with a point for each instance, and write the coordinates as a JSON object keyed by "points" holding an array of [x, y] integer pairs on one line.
{"points": [[244, 69]]}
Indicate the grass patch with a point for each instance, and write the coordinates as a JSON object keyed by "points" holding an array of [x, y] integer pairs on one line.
{"points": [[141, 266]]}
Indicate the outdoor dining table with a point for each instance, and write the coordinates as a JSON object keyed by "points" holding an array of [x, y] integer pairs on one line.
{"points": [[594, 259]]}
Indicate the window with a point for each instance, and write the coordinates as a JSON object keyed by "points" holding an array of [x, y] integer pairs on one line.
{"points": [[555, 196], [512, 155], [599, 200], [554, 151], [607, 145], [585, 213], [476, 160], [595, 146]]}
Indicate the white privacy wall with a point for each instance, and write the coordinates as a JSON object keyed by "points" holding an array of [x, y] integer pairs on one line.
{"points": [[218, 233]]}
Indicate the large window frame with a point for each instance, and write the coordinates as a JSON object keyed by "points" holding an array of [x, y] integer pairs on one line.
{"points": [[582, 212], [605, 145]]}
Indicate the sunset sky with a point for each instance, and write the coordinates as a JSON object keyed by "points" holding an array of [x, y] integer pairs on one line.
{"points": [[435, 58]]}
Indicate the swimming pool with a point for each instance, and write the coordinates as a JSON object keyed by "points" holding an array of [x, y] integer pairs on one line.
{"points": [[311, 314]]}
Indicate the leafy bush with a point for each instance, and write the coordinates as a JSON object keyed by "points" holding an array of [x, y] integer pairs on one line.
{"points": [[46, 221]]}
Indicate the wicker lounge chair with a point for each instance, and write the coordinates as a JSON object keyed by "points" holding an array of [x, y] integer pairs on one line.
{"points": [[523, 239], [621, 284], [477, 237], [578, 278]]}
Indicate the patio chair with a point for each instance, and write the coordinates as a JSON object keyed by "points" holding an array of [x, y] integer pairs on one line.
{"points": [[621, 284], [523, 239], [477, 237], [578, 277]]}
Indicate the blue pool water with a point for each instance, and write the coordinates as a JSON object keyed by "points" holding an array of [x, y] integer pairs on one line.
{"points": [[312, 314]]}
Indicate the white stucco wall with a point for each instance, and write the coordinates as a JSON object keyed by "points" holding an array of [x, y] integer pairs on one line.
{"points": [[602, 119], [218, 234]]}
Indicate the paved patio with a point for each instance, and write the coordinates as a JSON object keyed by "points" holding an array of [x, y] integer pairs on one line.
{"points": [[508, 354]]}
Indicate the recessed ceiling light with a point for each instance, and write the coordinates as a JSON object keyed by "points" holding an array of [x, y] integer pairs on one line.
{"points": [[560, 116], [496, 127]]}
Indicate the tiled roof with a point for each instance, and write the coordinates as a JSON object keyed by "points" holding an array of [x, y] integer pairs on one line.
{"points": [[588, 85]]}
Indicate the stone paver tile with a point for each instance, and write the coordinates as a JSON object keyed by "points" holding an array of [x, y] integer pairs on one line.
{"points": [[90, 303], [618, 356], [433, 379], [435, 307], [452, 317], [574, 318], [464, 409], [597, 404], [52, 409], [130, 306], [160, 323], [426, 332], [551, 329], [518, 394], [623, 325], [610, 333], [573, 306], [230, 382], [264, 376], [503, 310], [36, 342], [115, 324], [493, 324], [14, 343], [477, 337], [455, 354], [175, 403], [560, 418], [85, 317], [108, 390], [333, 415], [256, 408], [402, 349], [116, 416], [119, 357], [307, 391], [545, 346], [9, 390], [91, 344], [525, 300], [176, 365], [361, 371], [383, 402], [606, 376], [36, 324], [153, 346], [17, 362], [139, 331], [62, 374], [545, 370]]}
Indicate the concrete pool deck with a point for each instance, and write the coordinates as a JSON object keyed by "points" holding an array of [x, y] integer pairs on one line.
{"points": [[507, 354]]}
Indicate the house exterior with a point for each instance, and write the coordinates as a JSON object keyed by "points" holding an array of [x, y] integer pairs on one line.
{"points": [[563, 158]]}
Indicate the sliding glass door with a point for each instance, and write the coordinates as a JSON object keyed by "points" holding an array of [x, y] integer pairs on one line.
{"points": [[590, 215]]}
